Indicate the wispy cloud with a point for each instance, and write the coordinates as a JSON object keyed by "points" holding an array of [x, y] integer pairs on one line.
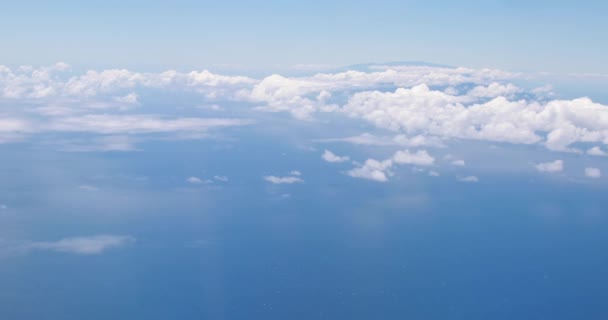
{"points": [[82, 245]]}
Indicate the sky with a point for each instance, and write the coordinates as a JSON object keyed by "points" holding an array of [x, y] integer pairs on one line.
{"points": [[241, 160], [540, 36]]}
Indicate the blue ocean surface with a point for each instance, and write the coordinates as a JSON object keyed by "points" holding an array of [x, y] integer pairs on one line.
{"points": [[512, 246]]}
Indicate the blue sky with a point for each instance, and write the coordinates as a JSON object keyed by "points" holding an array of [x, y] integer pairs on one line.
{"points": [[551, 36], [241, 160]]}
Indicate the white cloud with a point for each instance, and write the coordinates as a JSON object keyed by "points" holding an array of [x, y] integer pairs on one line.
{"points": [[420, 157], [459, 163], [331, 157], [434, 173], [397, 140], [422, 105], [493, 90], [221, 178], [469, 179], [593, 173], [137, 124], [380, 170], [422, 110], [83, 245], [372, 170], [194, 180], [551, 167], [130, 98], [283, 180], [596, 151]]}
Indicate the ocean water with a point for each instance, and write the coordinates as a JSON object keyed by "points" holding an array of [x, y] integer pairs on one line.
{"points": [[512, 246]]}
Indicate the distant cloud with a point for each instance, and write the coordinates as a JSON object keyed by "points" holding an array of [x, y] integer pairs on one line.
{"points": [[83, 245], [372, 170], [331, 157], [88, 188], [469, 179], [459, 163], [221, 178], [129, 99], [283, 180], [194, 180], [293, 177], [593, 173], [368, 139], [420, 157], [418, 105], [551, 167], [380, 170], [596, 151]]}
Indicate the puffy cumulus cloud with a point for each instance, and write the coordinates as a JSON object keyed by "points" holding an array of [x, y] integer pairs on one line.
{"points": [[331, 157], [83, 245], [596, 151], [377, 170], [494, 89], [373, 170], [557, 124], [303, 96], [55, 82], [550, 167], [421, 105], [593, 173], [420, 158]]}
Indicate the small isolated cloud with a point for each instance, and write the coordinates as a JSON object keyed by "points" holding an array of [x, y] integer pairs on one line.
{"points": [[83, 245], [380, 170], [331, 157], [469, 179], [433, 173], [372, 170], [420, 158], [3, 207], [293, 177], [596, 151], [593, 173], [220, 178], [194, 180], [551, 167], [459, 163]]}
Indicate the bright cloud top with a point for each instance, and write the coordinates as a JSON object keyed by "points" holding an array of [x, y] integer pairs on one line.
{"points": [[423, 106], [379, 171]]}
